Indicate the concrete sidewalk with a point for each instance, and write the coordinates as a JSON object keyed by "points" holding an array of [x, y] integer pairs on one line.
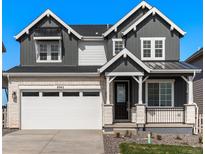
{"points": [[53, 142]]}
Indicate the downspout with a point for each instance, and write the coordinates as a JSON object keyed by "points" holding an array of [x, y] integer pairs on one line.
{"points": [[197, 112]]}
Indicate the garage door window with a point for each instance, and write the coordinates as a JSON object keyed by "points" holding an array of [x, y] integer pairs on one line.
{"points": [[50, 94], [91, 93], [30, 94], [70, 94]]}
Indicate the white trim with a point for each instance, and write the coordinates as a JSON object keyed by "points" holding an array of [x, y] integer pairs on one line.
{"points": [[159, 81], [47, 38], [113, 44], [47, 13], [62, 87], [38, 74], [92, 38], [176, 71], [154, 11], [114, 27], [124, 52], [124, 73], [152, 48]]}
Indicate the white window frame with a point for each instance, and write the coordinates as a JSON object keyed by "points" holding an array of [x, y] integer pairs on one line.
{"points": [[113, 44], [159, 81], [48, 52], [153, 39]]}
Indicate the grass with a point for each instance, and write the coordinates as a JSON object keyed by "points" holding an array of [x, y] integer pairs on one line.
{"points": [[134, 148]]}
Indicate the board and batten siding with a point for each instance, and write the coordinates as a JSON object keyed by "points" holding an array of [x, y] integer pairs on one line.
{"points": [[91, 53]]}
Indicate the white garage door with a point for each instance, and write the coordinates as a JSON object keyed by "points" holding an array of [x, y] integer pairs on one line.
{"points": [[61, 110]]}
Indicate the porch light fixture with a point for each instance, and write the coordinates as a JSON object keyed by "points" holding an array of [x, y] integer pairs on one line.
{"points": [[14, 97]]}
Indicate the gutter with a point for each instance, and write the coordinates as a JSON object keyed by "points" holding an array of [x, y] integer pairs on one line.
{"points": [[176, 71], [36, 74]]}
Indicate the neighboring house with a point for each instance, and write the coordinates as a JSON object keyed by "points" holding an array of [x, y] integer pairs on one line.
{"points": [[197, 60], [126, 75]]}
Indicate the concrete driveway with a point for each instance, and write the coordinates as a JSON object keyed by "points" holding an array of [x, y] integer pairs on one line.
{"points": [[53, 142]]}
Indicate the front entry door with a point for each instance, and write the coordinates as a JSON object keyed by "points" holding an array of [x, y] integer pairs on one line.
{"points": [[121, 100]]}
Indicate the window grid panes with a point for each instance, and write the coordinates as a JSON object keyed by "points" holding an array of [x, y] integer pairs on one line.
{"points": [[119, 45], [49, 50], [147, 48], [152, 48], [160, 94], [158, 48]]}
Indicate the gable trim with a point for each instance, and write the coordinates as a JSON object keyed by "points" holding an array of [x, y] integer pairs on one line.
{"points": [[114, 27], [153, 11], [47, 13], [124, 53]]}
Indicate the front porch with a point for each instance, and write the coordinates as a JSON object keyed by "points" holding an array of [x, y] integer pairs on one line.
{"points": [[137, 113]]}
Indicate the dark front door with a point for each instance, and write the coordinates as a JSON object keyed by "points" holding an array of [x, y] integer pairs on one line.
{"points": [[121, 100]]}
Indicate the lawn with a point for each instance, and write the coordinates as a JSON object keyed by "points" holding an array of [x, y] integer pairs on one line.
{"points": [[134, 148]]}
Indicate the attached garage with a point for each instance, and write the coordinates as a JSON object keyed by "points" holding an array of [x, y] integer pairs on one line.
{"points": [[55, 109]]}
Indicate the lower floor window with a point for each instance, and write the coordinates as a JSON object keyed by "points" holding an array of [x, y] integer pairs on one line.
{"points": [[160, 93]]}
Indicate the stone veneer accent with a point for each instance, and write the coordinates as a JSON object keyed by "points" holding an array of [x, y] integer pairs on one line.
{"points": [[13, 120]]}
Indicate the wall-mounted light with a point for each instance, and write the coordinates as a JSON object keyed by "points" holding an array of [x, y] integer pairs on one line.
{"points": [[14, 97]]}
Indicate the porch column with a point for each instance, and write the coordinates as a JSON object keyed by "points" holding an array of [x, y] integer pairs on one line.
{"points": [[140, 107], [107, 90], [140, 90], [190, 91], [190, 107], [108, 107]]}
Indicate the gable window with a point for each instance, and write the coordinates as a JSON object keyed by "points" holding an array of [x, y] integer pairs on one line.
{"points": [[160, 93], [153, 48], [48, 51], [118, 45]]}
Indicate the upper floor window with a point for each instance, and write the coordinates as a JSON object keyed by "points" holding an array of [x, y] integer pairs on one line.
{"points": [[118, 45], [48, 51], [153, 48]]}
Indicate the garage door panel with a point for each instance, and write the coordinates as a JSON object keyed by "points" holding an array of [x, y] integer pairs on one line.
{"points": [[61, 112]]}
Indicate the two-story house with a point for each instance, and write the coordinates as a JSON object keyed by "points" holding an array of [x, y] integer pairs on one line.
{"points": [[126, 75]]}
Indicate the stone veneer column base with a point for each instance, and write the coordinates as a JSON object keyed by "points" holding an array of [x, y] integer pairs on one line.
{"points": [[190, 113], [108, 114], [140, 114]]}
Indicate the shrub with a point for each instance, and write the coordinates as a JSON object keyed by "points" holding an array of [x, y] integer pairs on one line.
{"points": [[200, 139], [117, 135], [178, 138], [159, 137]]}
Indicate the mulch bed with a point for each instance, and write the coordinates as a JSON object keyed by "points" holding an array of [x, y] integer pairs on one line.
{"points": [[111, 142]]}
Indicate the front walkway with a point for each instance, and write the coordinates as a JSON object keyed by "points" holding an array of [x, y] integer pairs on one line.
{"points": [[53, 142]]}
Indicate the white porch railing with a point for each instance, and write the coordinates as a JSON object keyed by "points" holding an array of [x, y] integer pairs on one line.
{"points": [[164, 115]]}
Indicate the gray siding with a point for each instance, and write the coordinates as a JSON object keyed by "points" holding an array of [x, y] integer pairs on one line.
{"points": [[151, 27], [198, 83], [69, 46], [124, 65]]}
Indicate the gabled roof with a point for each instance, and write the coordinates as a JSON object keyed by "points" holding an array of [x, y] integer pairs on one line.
{"points": [[47, 13], [154, 11], [195, 55], [125, 53], [114, 27]]}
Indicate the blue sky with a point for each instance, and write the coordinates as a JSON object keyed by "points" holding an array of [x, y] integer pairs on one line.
{"points": [[17, 14]]}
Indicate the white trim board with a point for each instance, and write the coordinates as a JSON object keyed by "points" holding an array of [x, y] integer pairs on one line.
{"points": [[124, 74], [48, 38], [114, 27], [36, 74], [47, 13], [124, 53], [153, 11]]}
